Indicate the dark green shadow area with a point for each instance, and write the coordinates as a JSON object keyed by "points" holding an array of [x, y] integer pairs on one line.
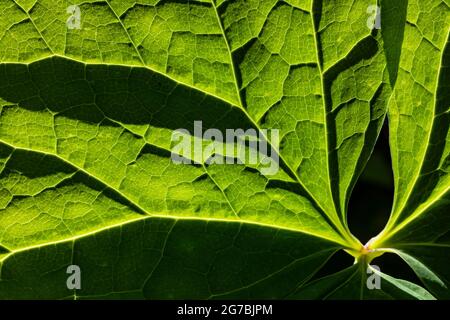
{"points": [[170, 259], [35, 165], [3, 250], [393, 21], [127, 95]]}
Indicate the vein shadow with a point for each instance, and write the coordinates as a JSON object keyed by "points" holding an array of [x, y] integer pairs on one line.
{"points": [[127, 95]]}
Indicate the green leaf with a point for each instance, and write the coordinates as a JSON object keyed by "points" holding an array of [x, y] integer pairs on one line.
{"points": [[88, 115], [168, 258], [419, 137]]}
